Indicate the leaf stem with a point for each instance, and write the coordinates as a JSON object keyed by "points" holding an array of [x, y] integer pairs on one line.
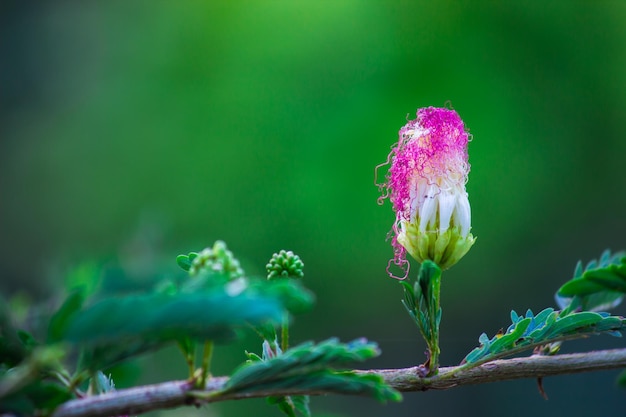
{"points": [[284, 334], [207, 354], [434, 318], [187, 347]]}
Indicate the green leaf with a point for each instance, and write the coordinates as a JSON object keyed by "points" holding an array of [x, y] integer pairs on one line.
{"points": [[301, 403], [508, 340], [118, 328], [59, 320], [292, 405], [168, 317], [580, 287], [547, 327], [573, 322], [308, 367], [184, 262], [480, 351], [293, 296], [601, 285]]}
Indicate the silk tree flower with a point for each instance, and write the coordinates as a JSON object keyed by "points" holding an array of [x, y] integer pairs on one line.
{"points": [[426, 185]]}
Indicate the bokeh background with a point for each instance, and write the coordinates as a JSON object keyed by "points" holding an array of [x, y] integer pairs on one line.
{"points": [[135, 131]]}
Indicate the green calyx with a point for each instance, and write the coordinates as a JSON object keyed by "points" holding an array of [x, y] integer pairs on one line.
{"points": [[445, 249]]}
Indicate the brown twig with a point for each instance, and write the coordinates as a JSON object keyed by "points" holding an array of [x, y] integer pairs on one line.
{"points": [[179, 393]]}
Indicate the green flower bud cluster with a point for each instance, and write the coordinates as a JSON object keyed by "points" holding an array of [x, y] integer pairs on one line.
{"points": [[216, 259], [285, 264]]}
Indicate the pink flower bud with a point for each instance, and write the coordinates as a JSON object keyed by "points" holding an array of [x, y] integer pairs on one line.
{"points": [[426, 184]]}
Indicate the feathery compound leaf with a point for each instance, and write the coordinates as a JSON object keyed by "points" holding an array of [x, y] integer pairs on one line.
{"points": [[308, 367], [546, 327], [601, 285], [117, 328]]}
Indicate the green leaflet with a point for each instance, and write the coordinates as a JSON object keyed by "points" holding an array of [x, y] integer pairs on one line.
{"points": [[291, 405], [184, 262], [308, 367], [507, 340], [529, 331], [573, 323], [601, 285]]}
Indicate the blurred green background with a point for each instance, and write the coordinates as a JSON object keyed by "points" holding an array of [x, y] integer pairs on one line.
{"points": [[135, 131]]}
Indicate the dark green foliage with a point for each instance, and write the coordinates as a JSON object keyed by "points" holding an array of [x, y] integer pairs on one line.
{"points": [[13, 348], [307, 367], [38, 396], [601, 285], [549, 326], [292, 404], [27, 387], [212, 304], [621, 379]]}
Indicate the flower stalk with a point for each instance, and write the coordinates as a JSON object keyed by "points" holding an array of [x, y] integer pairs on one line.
{"points": [[426, 184], [423, 303]]}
